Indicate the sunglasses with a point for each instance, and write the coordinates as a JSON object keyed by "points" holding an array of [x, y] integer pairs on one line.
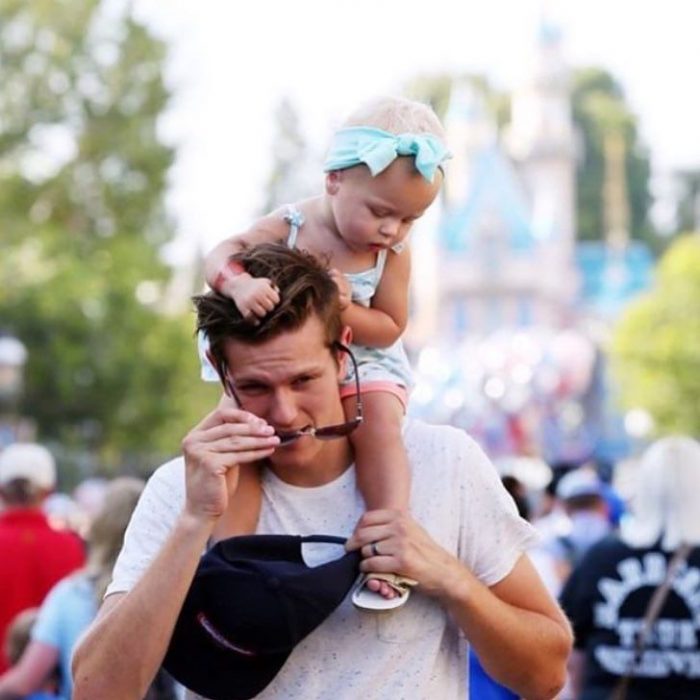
{"points": [[326, 432]]}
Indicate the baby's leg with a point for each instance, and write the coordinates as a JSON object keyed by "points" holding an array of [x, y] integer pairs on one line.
{"points": [[381, 463]]}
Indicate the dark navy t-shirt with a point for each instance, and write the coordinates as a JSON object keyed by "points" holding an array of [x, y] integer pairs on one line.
{"points": [[606, 598]]}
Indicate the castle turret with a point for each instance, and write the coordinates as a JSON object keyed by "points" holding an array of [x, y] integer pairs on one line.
{"points": [[541, 141]]}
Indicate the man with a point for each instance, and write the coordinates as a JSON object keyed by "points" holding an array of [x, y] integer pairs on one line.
{"points": [[463, 542], [33, 556]]}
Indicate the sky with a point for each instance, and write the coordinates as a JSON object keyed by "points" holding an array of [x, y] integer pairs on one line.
{"points": [[230, 63]]}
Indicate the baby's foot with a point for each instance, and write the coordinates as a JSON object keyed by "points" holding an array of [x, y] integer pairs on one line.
{"points": [[382, 591], [381, 587]]}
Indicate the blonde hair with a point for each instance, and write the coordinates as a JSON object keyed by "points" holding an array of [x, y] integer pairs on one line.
{"points": [[106, 532], [397, 115], [665, 503]]}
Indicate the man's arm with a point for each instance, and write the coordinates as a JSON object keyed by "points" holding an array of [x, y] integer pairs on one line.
{"points": [[121, 652], [520, 635]]}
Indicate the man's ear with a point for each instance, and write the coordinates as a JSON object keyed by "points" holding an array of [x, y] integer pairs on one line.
{"points": [[333, 179], [345, 339], [346, 335]]}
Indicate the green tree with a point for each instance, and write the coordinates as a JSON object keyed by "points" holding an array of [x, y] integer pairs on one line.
{"points": [[688, 199], [656, 345], [82, 176], [603, 116]]}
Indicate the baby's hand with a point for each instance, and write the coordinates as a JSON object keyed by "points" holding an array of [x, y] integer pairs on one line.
{"points": [[254, 296], [344, 289]]}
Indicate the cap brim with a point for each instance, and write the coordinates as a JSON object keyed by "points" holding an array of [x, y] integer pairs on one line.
{"points": [[210, 667]]}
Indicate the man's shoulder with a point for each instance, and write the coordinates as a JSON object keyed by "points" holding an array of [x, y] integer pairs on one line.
{"points": [[170, 474]]}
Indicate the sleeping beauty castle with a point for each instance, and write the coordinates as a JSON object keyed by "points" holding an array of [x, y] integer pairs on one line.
{"points": [[508, 309]]}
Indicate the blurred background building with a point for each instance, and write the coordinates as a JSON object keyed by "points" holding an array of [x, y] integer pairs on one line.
{"points": [[509, 307]]}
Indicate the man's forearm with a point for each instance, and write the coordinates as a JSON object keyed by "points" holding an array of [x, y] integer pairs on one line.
{"points": [[523, 649], [123, 649]]}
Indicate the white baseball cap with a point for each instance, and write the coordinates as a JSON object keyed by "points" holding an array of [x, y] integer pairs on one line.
{"points": [[28, 461], [579, 482]]}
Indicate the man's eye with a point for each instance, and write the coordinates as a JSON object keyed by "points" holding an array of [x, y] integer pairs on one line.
{"points": [[301, 381], [252, 389]]}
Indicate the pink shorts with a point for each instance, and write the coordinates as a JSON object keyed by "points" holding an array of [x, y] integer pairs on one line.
{"points": [[388, 387]]}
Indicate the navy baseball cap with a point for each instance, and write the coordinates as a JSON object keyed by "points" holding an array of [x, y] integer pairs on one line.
{"points": [[251, 601]]}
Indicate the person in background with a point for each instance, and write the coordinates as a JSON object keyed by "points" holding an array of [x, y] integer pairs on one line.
{"points": [[607, 596], [33, 556], [73, 602], [18, 635], [582, 494]]}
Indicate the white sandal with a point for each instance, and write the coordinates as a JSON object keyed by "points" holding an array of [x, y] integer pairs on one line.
{"points": [[364, 598]]}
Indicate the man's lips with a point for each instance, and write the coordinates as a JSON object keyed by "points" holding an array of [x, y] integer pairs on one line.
{"points": [[289, 436]]}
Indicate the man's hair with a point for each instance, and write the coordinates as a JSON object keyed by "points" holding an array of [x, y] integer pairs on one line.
{"points": [[397, 115], [22, 493], [305, 289]]}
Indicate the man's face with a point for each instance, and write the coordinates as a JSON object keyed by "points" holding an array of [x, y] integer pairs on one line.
{"points": [[291, 382]]}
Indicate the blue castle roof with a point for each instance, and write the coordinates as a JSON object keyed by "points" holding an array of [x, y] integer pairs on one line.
{"points": [[495, 192]]}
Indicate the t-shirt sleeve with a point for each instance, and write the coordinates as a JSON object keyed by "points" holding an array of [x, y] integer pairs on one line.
{"points": [[493, 535], [154, 517], [47, 628]]}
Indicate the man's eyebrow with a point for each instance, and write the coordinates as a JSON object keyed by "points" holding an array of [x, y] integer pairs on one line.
{"points": [[256, 379]]}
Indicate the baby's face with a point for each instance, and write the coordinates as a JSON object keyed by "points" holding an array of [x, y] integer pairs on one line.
{"points": [[372, 213]]}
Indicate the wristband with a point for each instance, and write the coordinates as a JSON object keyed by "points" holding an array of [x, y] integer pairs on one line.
{"points": [[231, 269]]}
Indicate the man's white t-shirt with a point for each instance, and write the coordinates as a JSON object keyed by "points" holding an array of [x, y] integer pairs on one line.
{"points": [[413, 652]]}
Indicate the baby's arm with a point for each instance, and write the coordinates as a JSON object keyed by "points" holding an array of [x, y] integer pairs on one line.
{"points": [[384, 321], [253, 296]]}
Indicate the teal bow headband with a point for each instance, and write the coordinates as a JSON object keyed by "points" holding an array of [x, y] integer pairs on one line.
{"points": [[378, 149]]}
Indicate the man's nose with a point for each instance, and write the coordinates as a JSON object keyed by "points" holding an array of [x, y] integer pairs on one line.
{"points": [[283, 410]]}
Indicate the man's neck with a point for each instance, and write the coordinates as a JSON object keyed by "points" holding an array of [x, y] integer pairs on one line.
{"points": [[330, 462]]}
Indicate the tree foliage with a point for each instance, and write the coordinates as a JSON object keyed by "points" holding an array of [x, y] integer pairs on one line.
{"points": [[656, 346], [436, 90], [600, 110], [82, 176], [688, 199]]}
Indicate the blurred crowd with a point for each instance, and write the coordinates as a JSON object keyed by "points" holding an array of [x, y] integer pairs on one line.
{"points": [[618, 548], [57, 553]]}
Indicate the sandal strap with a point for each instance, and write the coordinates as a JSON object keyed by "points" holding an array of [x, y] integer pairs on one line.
{"points": [[396, 581]]}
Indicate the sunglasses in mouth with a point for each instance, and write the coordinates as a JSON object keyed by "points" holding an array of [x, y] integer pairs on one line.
{"points": [[326, 432]]}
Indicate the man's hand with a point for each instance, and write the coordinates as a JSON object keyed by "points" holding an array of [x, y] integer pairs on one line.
{"points": [[255, 297], [344, 288], [226, 438], [402, 546]]}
